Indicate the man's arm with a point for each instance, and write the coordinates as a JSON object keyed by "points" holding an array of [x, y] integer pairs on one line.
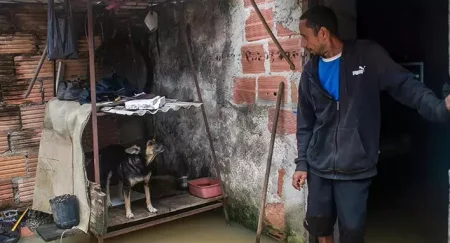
{"points": [[306, 118], [403, 87]]}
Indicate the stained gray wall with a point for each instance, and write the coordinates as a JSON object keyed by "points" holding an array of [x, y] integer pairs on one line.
{"points": [[240, 132]]}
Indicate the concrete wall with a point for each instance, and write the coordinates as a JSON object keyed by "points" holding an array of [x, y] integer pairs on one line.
{"points": [[239, 70]]}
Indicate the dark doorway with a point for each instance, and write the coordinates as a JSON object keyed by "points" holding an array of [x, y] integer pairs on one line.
{"points": [[409, 198]]}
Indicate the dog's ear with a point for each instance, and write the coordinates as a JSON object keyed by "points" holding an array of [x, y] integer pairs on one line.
{"points": [[150, 143]]}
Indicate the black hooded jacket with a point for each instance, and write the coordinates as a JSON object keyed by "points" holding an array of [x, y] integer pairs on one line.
{"points": [[340, 139]]}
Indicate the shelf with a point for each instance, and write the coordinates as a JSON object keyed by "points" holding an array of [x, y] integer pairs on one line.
{"points": [[116, 215]]}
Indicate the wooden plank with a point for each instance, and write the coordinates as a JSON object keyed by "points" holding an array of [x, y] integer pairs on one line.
{"points": [[99, 210], [163, 220], [164, 206]]}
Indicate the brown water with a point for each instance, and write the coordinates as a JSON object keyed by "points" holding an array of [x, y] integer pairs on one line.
{"points": [[203, 228], [211, 227]]}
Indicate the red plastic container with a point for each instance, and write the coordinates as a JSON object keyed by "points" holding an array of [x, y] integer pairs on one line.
{"points": [[205, 187]]}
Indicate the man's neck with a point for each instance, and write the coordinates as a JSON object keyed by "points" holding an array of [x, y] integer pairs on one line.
{"points": [[334, 49]]}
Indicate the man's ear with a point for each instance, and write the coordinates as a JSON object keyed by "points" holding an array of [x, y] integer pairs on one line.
{"points": [[323, 33]]}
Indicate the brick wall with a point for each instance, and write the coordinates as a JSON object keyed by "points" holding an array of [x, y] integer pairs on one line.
{"points": [[263, 67], [22, 40]]}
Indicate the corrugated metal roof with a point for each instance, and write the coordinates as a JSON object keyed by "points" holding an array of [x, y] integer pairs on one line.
{"points": [[32, 116], [17, 44], [174, 106], [138, 4], [13, 166]]}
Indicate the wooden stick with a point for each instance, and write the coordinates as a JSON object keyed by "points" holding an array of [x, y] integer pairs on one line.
{"points": [[20, 219], [266, 26], [269, 162], [36, 73]]}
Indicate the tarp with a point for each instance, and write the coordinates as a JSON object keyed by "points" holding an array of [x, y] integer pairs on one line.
{"points": [[60, 168]]}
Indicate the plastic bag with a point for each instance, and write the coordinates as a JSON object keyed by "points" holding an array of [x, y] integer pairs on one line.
{"points": [[61, 40]]}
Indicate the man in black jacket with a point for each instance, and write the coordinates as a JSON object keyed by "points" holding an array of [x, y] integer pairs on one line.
{"points": [[338, 122]]}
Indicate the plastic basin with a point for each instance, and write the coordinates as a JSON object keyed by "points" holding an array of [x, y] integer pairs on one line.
{"points": [[205, 187]]}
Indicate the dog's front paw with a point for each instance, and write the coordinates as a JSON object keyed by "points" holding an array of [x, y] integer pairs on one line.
{"points": [[109, 204], [151, 209], [130, 215]]}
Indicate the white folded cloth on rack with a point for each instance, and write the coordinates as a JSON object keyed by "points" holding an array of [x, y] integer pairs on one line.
{"points": [[146, 104]]}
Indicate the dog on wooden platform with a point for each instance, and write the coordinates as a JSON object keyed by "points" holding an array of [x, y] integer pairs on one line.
{"points": [[129, 167]]}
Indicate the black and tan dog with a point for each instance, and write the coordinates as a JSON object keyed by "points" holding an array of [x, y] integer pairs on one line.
{"points": [[129, 166]]}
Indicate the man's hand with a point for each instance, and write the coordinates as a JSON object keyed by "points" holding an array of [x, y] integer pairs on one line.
{"points": [[447, 102], [298, 179]]}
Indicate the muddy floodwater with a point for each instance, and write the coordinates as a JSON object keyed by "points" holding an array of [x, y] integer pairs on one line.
{"points": [[208, 227]]}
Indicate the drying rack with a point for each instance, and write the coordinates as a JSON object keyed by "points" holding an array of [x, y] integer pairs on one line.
{"points": [[109, 222]]}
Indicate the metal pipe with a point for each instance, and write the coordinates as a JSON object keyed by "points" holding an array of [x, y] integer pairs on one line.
{"points": [[93, 94], [36, 72], [266, 26], [269, 163], [205, 119]]}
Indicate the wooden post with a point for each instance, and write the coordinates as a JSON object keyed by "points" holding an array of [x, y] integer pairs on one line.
{"points": [[93, 94]]}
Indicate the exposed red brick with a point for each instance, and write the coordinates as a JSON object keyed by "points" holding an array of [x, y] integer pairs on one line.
{"points": [[26, 140], [281, 174], [31, 21], [13, 166], [3, 142], [294, 92], [14, 93], [292, 47], [32, 162], [9, 119], [253, 58], [108, 133], [283, 31], [254, 28], [268, 88], [26, 66], [244, 90], [274, 214], [6, 69], [75, 69], [32, 116], [6, 193], [24, 188], [17, 44], [258, 2], [287, 122]]}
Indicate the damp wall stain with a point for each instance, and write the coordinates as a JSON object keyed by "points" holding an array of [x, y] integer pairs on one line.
{"points": [[240, 133]]}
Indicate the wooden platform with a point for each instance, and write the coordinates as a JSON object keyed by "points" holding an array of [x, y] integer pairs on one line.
{"points": [[164, 206]]}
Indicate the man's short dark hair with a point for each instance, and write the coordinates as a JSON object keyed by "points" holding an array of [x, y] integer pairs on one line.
{"points": [[321, 16]]}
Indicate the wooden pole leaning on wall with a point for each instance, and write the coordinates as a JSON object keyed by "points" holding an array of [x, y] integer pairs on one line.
{"points": [[205, 119], [269, 163], [92, 87], [274, 39], [37, 71]]}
